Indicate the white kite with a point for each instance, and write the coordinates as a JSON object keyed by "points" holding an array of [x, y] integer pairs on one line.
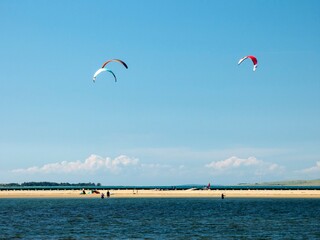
{"points": [[103, 70]]}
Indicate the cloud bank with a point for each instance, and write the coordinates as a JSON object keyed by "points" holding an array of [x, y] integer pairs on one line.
{"points": [[129, 170], [250, 163], [91, 164], [314, 169]]}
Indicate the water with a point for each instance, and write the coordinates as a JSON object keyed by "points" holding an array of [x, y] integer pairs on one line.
{"points": [[160, 218]]}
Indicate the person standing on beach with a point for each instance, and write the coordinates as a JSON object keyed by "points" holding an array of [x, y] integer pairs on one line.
{"points": [[108, 194]]}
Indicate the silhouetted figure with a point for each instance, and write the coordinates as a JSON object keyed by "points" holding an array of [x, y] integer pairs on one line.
{"points": [[102, 195], [108, 194], [222, 196]]}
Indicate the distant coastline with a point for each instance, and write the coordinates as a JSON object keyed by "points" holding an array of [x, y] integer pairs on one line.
{"points": [[289, 189], [315, 182], [157, 188], [53, 186]]}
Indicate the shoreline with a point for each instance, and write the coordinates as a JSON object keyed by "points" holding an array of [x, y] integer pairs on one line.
{"points": [[190, 193]]}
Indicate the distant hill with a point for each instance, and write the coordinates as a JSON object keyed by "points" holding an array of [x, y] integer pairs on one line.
{"points": [[315, 182]]}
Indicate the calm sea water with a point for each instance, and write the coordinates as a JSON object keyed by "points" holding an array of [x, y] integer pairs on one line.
{"points": [[155, 218]]}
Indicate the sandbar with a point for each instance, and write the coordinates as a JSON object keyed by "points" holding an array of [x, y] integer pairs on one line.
{"points": [[156, 193]]}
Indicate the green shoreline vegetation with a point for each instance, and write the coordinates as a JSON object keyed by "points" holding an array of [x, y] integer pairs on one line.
{"points": [[315, 182]]}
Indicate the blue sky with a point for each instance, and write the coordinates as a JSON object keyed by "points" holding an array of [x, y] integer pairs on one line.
{"points": [[183, 112]]}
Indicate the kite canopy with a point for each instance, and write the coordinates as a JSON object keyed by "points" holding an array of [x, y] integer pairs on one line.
{"points": [[115, 60], [103, 70], [253, 59]]}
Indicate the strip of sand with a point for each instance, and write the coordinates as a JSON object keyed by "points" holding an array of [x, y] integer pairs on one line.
{"points": [[162, 194]]}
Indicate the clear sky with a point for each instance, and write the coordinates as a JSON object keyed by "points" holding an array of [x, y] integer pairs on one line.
{"points": [[183, 112]]}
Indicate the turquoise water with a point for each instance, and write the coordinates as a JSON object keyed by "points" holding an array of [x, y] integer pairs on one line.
{"points": [[160, 218]]}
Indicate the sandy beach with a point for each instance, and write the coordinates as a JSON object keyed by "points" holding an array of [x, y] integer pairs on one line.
{"points": [[163, 194]]}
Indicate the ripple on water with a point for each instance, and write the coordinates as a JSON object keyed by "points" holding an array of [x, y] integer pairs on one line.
{"points": [[159, 218]]}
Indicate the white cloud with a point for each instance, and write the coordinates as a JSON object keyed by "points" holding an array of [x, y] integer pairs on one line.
{"points": [[251, 163], [233, 162], [92, 163], [314, 169]]}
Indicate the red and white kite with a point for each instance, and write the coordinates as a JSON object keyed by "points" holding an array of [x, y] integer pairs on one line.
{"points": [[253, 59]]}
